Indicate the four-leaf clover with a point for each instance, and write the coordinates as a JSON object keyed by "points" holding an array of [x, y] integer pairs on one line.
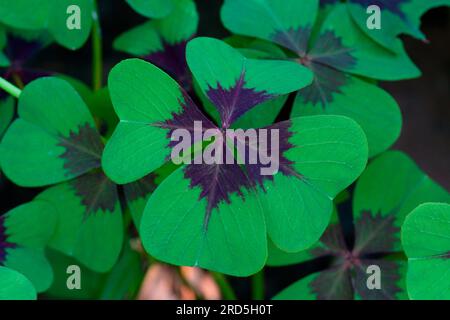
{"points": [[386, 191], [217, 216]]}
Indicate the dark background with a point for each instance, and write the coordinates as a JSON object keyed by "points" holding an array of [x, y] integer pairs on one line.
{"points": [[425, 102]]}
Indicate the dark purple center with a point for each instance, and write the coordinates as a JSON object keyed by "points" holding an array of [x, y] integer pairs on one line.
{"points": [[218, 181], [325, 57], [83, 149], [375, 237], [236, 100], [96, 192]]}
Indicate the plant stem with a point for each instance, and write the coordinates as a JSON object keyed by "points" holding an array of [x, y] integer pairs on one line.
{"points": [[258, 286], [97, 60], [10, 88], [224, 285]]}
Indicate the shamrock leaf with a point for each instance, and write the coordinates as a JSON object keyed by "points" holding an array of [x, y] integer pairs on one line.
{"points": [[426, 243], [241, 84], [15, 286], [6, 114], [397, 17], [24, 232], [338, 53], [55, 140], [202, 213], [163, 41], [152, 8], [51, 16], [378, 213], [59, 20], [23, 14], [99, 104], [263, 114], [122, 282], [137, 193]]}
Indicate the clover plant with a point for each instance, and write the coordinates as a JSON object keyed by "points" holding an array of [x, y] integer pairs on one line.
{"points": [[15, 286], [398, 17], [159, 42], [225, 205], [155, 165], [339, 54], [426, 242], [384, 194]]}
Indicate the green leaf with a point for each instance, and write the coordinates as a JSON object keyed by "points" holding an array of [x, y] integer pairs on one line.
{"points": [[338, 42], [26, 236], [378, 213], [149, 37], [54, 138], [392, 186], [402, 18], [173, 229], [99, 104], [152, 8], [60, 17], [122, 282], [374, 109], [427, 245], [370, 59], [265, 18], [24, 14], [143, 97], [262, 115], [269, 78], [6, 114], [140, 41], [15, 286], [278, 257], [90, 221], [137, 193]]}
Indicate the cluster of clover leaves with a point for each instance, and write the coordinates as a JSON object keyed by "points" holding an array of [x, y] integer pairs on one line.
{"points": [[103, 156]]}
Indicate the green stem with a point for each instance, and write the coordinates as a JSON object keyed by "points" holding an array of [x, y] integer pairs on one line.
{"points": [[10, 88], [258, 286], [224, 285], [97, 60]]}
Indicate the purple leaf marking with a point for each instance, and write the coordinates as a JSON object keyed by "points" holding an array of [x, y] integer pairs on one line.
{"points": [[83, 150], [374, 235], [235, 101], [4, 244], [96, 191], [324, 59]]}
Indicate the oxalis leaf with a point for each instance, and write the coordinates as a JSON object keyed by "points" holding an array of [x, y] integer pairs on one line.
{"points": [[203, 213], [122, 282], [24, 232], [153, 8], [55, 140], [163, 41], [263, 114], [52, 16], [425, 237], [337, 52], [378, 213], [15, 286], [397, 17]]}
